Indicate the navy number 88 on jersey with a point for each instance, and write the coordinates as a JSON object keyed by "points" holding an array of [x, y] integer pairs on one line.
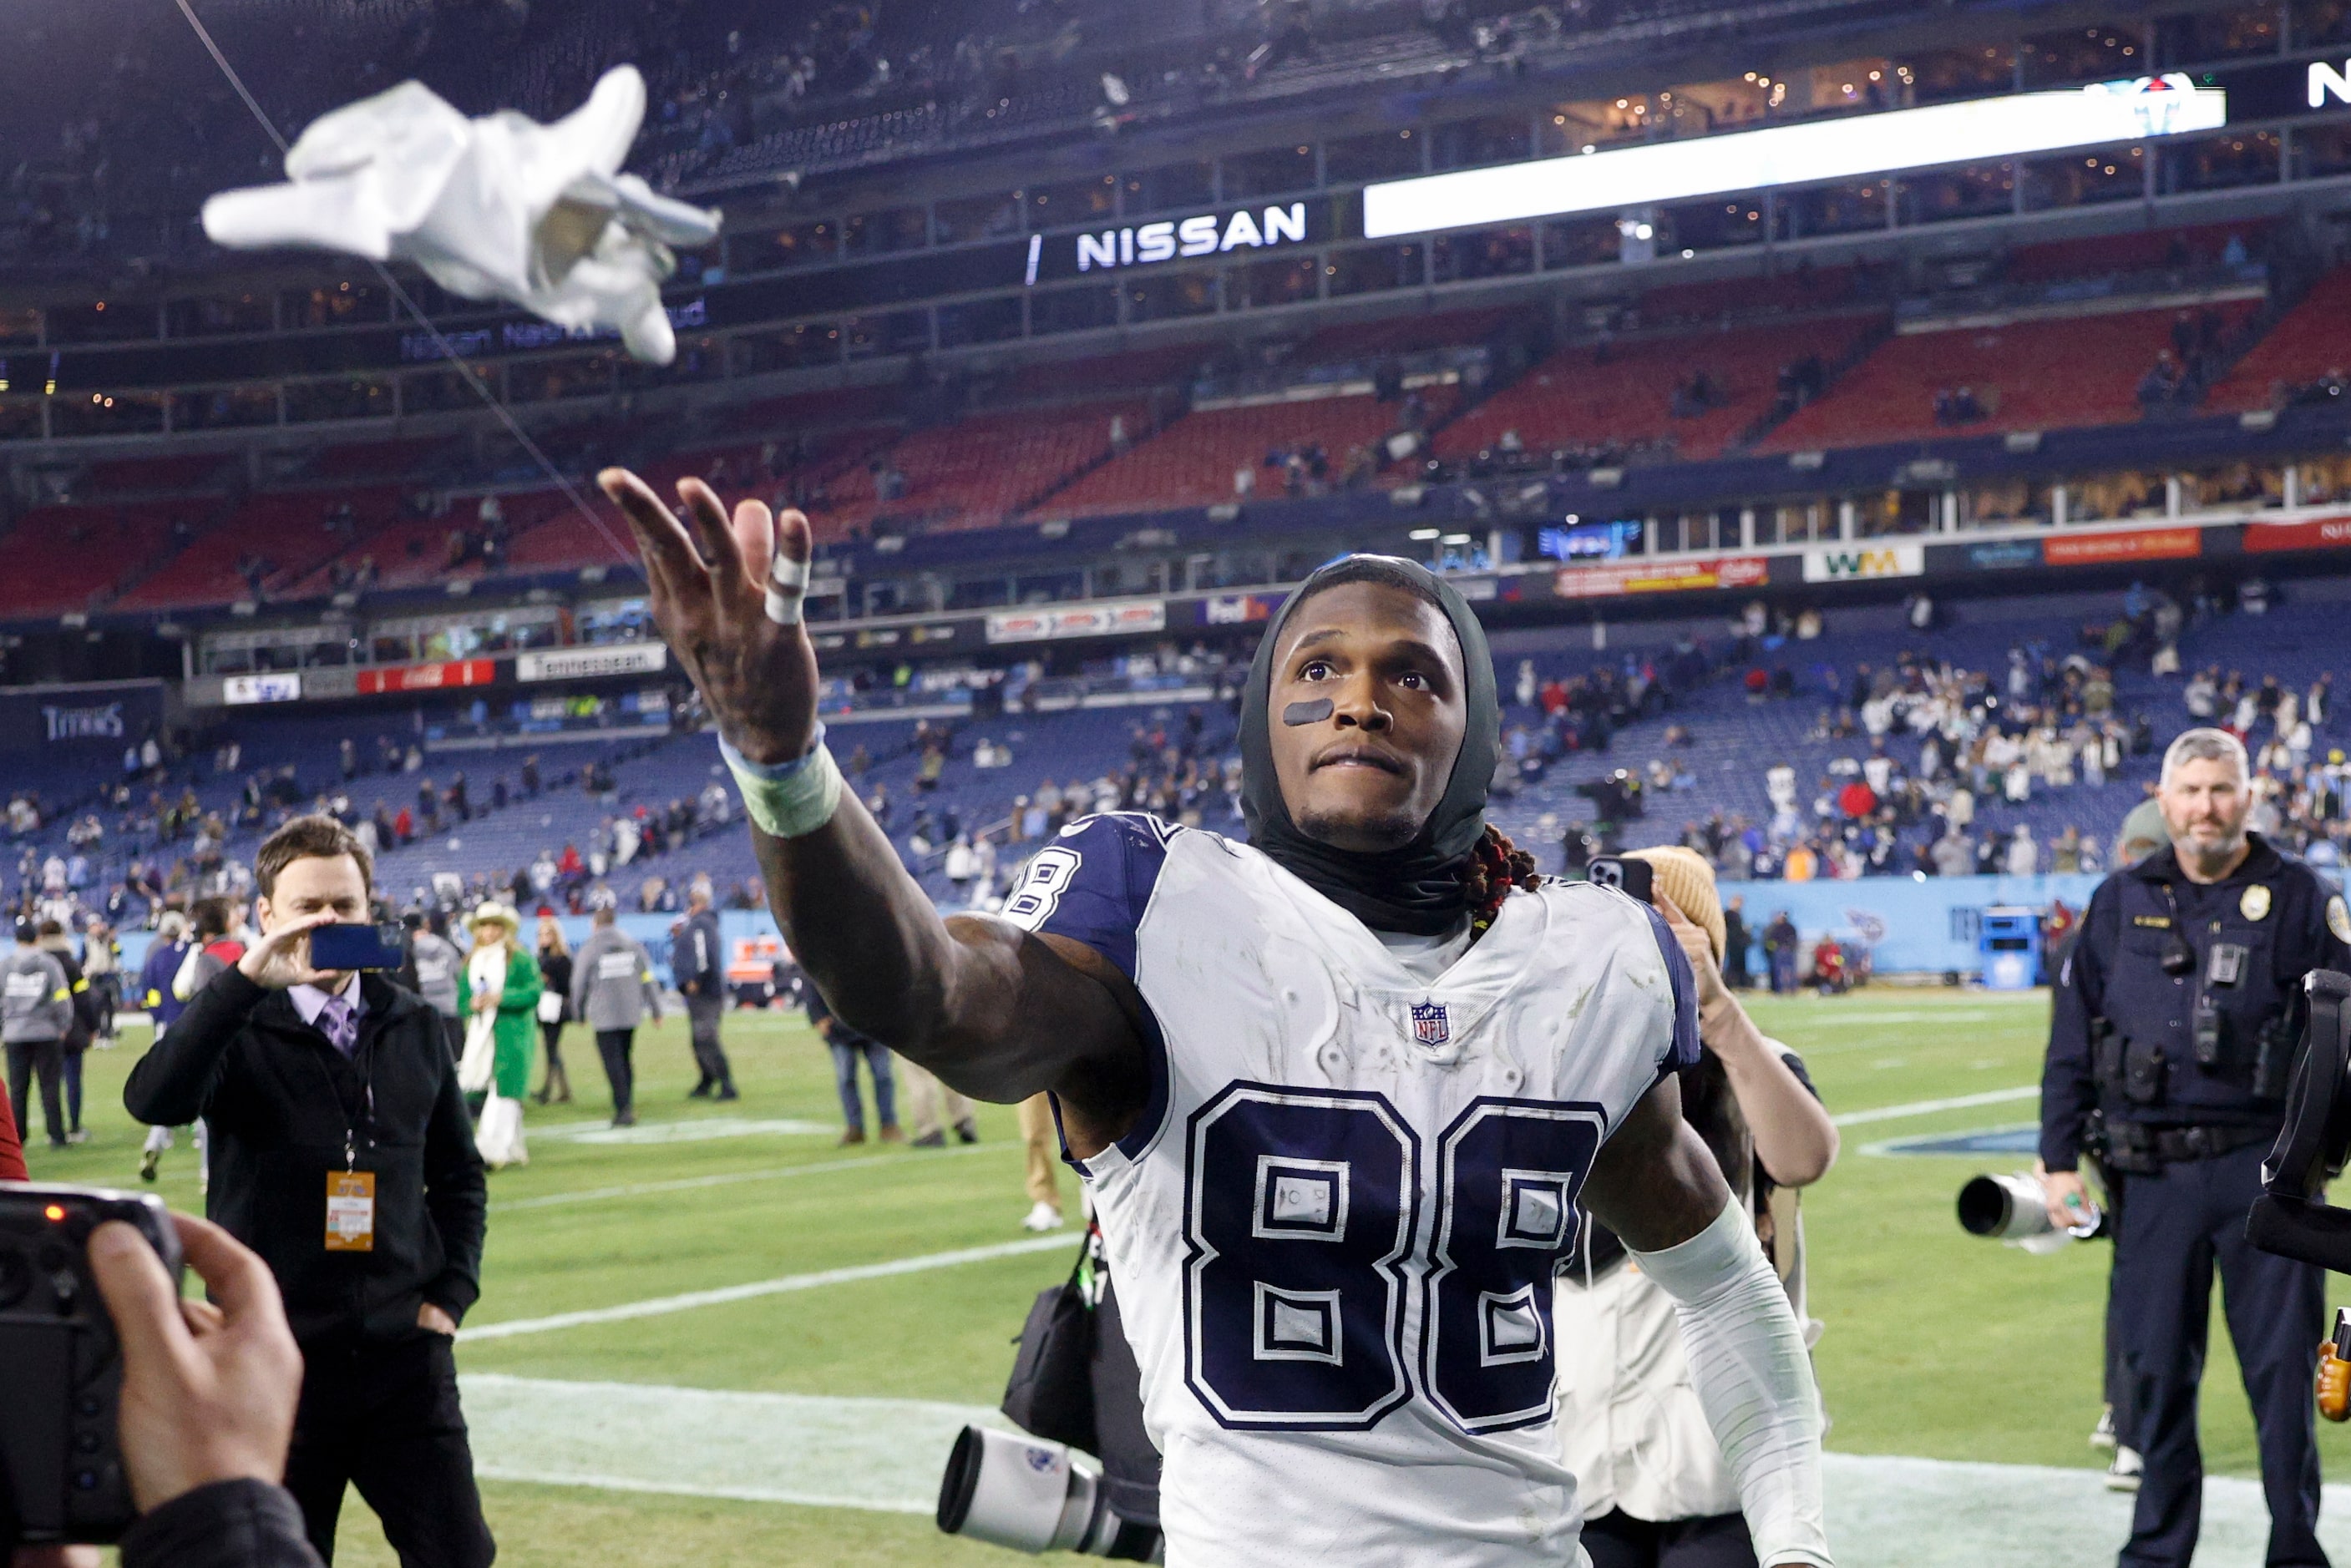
{"points": [[1303, 1209]]}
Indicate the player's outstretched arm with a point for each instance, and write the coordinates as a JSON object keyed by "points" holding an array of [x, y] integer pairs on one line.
{"points": [[1657, 1185], [997, 1012]]}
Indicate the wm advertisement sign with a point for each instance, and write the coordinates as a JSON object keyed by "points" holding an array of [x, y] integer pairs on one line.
{"points": [[1846, 562]]}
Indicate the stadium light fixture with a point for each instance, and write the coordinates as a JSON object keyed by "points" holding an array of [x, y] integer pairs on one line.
{"points": [[2015, 125], [1423, 536]]}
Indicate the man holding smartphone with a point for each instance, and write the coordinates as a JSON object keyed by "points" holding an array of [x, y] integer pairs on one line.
{"points": [[342, 1153]]}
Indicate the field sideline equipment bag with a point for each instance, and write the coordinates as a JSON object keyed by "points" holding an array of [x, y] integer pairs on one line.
{"points": [[1077, 1392], [61, 1477]]}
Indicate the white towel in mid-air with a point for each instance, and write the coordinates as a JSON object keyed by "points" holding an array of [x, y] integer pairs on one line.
{"points": [[499, 207]]}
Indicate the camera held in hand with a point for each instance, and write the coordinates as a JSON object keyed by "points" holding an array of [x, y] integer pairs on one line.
{"points": [[61, 1476]]}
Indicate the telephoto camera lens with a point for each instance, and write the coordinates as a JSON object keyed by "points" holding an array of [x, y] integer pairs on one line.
{"points": [[1010, 1489]]}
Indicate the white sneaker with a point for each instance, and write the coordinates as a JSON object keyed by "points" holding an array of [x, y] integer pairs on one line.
{"points": [[2102, 1436], [1043, 1216], [2124, 1473]]}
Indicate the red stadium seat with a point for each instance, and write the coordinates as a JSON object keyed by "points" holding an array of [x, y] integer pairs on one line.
{"points": [[2027, 375]]}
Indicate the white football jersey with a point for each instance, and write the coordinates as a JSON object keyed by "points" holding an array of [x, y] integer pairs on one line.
{"points": [[1335, 1224]]}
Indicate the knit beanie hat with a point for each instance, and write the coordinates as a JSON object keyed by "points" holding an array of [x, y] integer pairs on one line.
{"points": [[1684, 876]]}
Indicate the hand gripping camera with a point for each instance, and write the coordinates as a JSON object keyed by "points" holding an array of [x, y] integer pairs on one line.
{"points": [[61, 1476]]}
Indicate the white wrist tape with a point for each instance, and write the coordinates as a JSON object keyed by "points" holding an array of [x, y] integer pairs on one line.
{"points": [[1754, 1380], [787, 800], [787, 583]]}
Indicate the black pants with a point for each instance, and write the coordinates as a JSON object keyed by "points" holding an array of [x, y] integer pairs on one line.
{"points": [[25, 1058], [614, 1046], [709, 1056], [1617, 1540], [385, 1417], [551, 1036], [2176, 1228], [2120, 1388]]}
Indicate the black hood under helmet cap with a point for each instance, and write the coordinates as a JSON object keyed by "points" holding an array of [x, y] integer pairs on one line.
{"points": [[1414, 888]]}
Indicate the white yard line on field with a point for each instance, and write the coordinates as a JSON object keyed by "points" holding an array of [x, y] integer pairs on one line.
{"points": [[661, 1305], [886, 1455], [1928, 1107], [728, 1178]]}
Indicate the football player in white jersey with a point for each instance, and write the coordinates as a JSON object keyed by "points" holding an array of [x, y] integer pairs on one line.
{"points": [[1339, 1093]]}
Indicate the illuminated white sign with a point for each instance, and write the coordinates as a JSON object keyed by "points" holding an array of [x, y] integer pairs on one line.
{"points": [[1198, 236], [581, 663], [2008, 127], [2326, 82], [242, 689]]}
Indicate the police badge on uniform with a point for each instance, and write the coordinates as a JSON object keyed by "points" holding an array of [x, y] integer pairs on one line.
{"points": [[1430, 1026], [2255, 904], [2338, 918]]}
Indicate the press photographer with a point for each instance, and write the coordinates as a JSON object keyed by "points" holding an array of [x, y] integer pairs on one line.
{"points": [[2173, 1032], [342, 1153]]}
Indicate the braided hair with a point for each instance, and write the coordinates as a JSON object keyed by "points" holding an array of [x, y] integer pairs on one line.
{"points": [[1494, 868]]}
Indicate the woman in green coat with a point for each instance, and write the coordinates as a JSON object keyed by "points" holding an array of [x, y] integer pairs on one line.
{"points": [[498, 995]]}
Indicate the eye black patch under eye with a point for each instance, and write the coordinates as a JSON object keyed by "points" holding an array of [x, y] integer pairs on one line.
{"points": [[1312, 712]]}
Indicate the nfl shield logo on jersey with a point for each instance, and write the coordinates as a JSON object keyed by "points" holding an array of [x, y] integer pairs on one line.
{"points": [[1428, 1024]]}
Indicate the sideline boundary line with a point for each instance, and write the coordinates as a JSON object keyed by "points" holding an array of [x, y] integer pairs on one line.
{"points": [[1928, 1107], [730, 1177], [661, 1305]]}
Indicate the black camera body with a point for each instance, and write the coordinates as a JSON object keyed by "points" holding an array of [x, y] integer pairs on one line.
{"points": [[61, 1477]]}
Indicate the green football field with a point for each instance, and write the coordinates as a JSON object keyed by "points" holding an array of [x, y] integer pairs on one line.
{"points": [[796, 1383]]}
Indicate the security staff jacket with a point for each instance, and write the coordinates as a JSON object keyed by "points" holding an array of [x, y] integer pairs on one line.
{"points": [[2252, 938], [281, 1102], [36, 1000], [613, 984], [694, 957]]}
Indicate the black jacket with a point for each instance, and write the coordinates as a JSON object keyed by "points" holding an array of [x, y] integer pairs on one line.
{"points": [[274, 1093], [697, 959], [228, 1524]]}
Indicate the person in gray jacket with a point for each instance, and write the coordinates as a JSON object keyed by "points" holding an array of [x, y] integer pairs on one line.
{"points": [[433, 962], [612, 988], [36, 1013]]}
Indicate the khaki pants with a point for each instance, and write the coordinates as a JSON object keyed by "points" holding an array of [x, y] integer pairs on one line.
{"points": [[932, 1107], [1043, 1149]]}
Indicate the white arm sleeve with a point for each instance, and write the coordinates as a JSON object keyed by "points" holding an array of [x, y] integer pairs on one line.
{"points": [[1755, 1381]]}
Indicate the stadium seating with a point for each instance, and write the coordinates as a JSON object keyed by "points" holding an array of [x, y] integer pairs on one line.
{"points": [[2312, 340], [977, 472], [1192, 462], [2033, 374], [271, 539], [1621, 393], [63, 559]]}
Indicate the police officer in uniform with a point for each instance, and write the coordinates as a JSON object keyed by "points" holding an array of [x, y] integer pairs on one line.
{"points": [[2175, 1022]]}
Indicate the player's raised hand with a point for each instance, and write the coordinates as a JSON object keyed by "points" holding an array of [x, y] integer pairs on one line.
{"points": [[710, 581]]}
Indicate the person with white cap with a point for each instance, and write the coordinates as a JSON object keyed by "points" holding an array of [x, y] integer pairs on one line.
{"points": [[498, 995]]}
